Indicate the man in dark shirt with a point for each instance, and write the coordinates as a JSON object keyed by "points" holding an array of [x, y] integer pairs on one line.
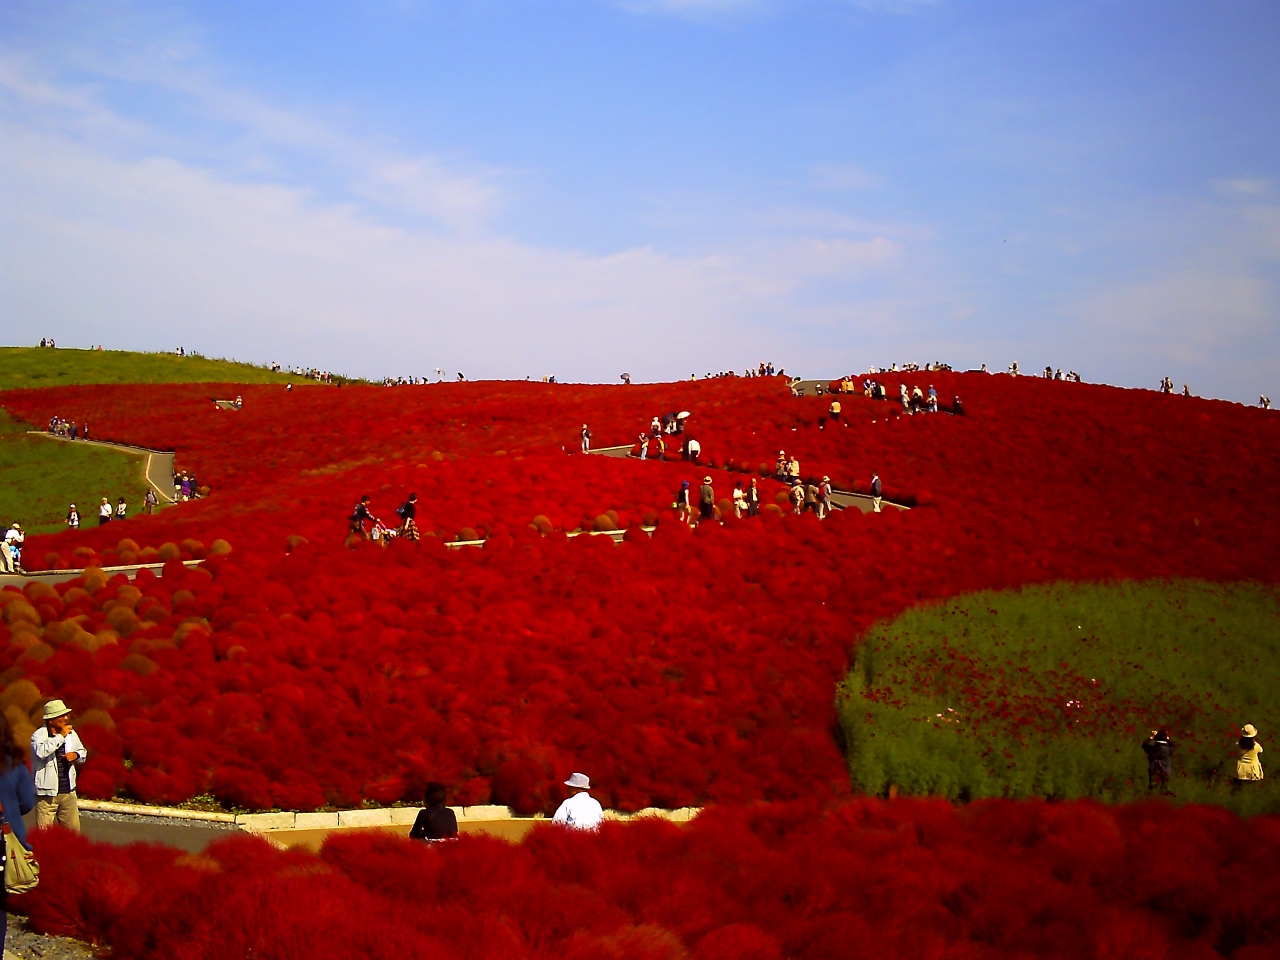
{"points": [[1159, 753], [359, 516], [706, 500], [437, 821]]}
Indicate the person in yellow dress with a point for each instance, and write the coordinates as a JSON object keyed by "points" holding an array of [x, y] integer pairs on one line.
{"points": [[1249, 766]]}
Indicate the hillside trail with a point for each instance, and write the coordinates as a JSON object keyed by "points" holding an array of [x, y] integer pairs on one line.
{"points": [[159, 466]]}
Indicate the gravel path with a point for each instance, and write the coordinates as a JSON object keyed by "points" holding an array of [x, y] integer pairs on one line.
{"points": [[23, 943]]}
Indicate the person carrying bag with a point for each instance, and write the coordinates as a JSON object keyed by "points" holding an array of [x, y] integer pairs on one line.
{"points": [[17, 797]]}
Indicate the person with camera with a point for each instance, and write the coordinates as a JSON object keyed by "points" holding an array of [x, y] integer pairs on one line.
{"points": [[56, 751], [1159, 751]]}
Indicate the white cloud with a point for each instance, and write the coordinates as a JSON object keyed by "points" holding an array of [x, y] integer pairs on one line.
{"points": [[153, 252], [1249, 187], [842, 177]]}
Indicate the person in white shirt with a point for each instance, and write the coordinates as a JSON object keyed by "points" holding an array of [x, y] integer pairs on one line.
{"points": [[104, 512], [56, 751], [580, 811], [11, 549]]}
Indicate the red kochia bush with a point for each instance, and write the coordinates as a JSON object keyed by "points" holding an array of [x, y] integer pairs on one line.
{"points": [[890, 879], [685, 669]]}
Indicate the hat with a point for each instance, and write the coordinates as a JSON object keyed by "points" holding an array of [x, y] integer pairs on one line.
{"points": [[55, 708], [706, 479], [17, 525], [826, 479], [579, 780], [1250, 730]]}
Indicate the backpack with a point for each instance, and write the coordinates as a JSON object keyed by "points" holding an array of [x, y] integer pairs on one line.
{"points": [[400, 510]]}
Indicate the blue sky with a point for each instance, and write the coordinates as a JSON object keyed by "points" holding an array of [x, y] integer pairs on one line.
{"points": [[658, 186]]}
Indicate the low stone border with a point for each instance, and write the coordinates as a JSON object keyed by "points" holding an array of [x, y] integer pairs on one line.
{"points": [[350, 819], [143, 810], [58, 576]]}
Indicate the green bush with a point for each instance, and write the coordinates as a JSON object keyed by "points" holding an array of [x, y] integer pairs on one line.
{"points": [[1050, 691]]}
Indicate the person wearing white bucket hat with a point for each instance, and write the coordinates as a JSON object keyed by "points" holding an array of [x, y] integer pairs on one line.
{"points": [[580, 811], [56, 751], [1249, 766]]}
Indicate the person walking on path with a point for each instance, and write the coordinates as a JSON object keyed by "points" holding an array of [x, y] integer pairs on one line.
{"points": [[104, 512], [408, 514], [17, 797], [824, 498], [739, 500], [875, 493], [706, 501], [683, 510], [149, 501], [695, 450], [580, 811], [1159, 753], [780, 466], [56, 751], [834, 411], [753, 499], [1249, 766], [122, 509], [797, 497], [586, 439], [437, 822], [73, 518], [811, 497], [793, 469], [359, 516], [644, 446]]}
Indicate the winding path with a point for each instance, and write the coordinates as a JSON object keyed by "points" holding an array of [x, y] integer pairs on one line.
{"points": [[840, 499], [159, 466]]}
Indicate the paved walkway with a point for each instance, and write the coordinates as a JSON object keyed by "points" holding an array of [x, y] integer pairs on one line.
{"points": [[158, 469], [840, 499], [61, 576]]}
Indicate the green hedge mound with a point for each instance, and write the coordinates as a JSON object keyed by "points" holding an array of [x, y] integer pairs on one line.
{"points": [[1051, 692]]}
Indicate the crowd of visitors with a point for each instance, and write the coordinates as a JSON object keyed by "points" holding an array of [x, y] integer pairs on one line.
{"points": [[311, 373], [59, 427], [47, 342]]}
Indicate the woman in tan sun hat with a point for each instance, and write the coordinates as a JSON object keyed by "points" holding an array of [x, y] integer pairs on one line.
{"points": [[1249, 767]]}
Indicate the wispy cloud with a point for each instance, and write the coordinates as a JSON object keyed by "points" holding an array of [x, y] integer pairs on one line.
{"points": [[841, 177], [218, 237], [1245, 186], [697, 9]]}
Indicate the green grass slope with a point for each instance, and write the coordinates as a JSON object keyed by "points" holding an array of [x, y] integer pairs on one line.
{"points": [[1051, 691], [23, 367], [43, 477]]}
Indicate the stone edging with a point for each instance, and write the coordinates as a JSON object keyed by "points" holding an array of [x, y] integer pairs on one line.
{"points": [[350, 819]]}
